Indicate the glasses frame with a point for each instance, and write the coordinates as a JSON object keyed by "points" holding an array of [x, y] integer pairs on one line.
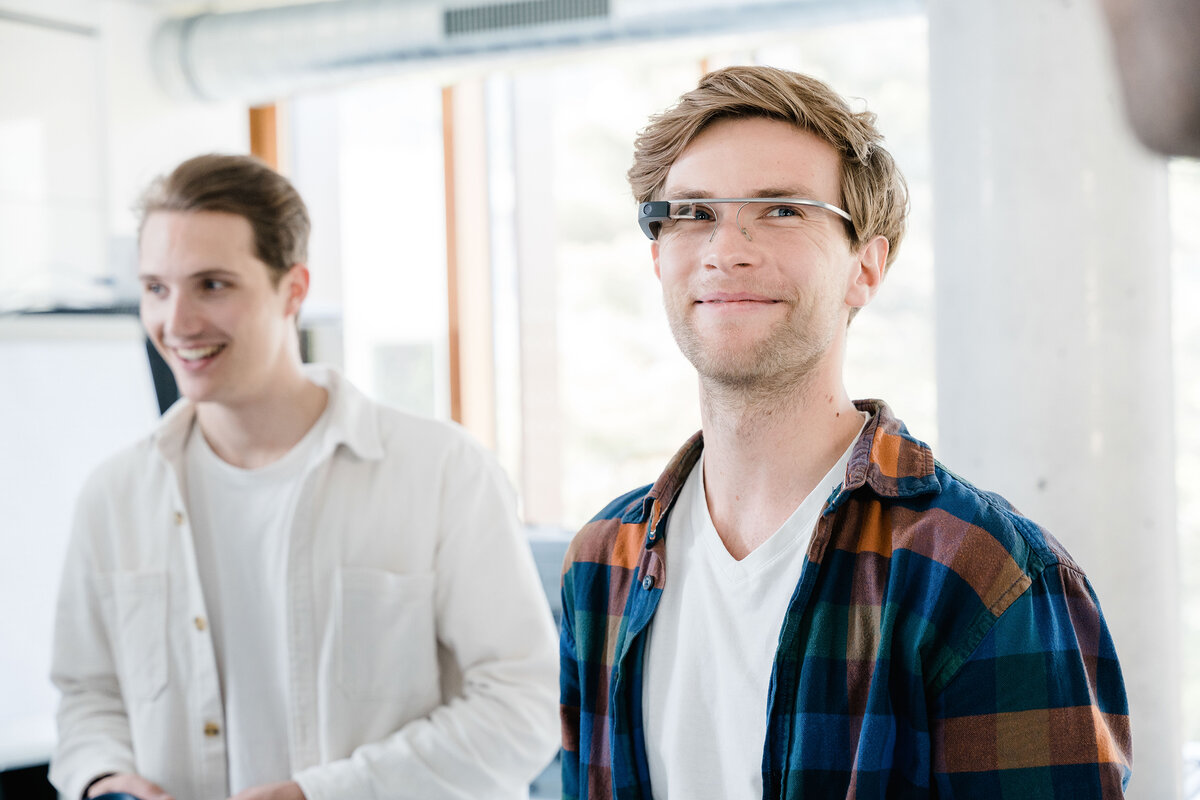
{"points": [[659, 211]]}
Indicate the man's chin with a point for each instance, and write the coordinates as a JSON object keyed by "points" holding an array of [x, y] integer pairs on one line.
{"points": [[198, 390], [765, 367], [731, 370]]}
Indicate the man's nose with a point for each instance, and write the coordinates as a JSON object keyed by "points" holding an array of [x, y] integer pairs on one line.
{"points": [[733, 217], [731, 243], [182, 317]]}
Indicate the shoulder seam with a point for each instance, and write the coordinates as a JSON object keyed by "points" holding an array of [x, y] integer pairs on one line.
{"points": [[1020, 523]]}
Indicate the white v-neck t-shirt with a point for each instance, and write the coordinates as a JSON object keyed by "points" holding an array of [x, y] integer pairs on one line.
{"points": [[712, 643], [241, 521]]}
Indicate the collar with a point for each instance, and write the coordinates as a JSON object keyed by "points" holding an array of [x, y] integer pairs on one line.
{"points": [[352, 420], [887, 460]]}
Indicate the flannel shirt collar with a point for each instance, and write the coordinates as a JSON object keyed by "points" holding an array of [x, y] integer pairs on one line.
{"points": [[886, 459]]}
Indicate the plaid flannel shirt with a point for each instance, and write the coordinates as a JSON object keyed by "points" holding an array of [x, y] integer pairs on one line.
{"points": [[938, 644]]}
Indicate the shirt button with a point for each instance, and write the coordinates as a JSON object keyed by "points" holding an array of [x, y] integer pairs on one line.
{"points": [[200, 623], [652, 535], [212, 729], [178, 517], [647, 582]]}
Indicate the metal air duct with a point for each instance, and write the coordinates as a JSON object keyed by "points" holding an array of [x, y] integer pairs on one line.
{"points": [[272, 52]]}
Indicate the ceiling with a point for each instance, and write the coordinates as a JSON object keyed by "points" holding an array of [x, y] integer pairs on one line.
{"points": [[189, 7]]}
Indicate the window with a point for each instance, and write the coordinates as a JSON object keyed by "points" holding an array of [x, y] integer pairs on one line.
{"points": [[368, 160]]}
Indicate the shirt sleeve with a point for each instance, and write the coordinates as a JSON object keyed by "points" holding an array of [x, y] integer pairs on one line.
{"points": [[569, 696], [1039, 708], [492, 617], [93, 728]]}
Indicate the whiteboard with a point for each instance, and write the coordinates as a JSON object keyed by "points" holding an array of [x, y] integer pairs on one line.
{"points": [[73, 389]]}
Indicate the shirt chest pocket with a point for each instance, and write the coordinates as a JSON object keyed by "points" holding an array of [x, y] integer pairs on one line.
{"points": [[388, 647], [140, 608]]}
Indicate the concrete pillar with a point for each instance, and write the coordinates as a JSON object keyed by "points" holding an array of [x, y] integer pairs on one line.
{"points": [[1052, 298]]}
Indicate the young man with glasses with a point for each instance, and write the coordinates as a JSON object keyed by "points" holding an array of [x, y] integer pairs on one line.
{"points": [[806, 604], [288, 591]]}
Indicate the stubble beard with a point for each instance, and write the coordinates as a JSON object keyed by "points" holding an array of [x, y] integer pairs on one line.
{"points": [[773, 370]]}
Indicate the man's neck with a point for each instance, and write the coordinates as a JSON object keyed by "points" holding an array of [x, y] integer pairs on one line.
{"points": [[260, 432], [765, 452]]}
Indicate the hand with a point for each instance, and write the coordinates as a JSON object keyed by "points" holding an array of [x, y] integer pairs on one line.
{"points": [[285, 790], [135, 785]]}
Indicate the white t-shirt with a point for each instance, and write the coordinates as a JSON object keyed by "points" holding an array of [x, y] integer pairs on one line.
{"points": [[712, 646], [241, 521]]}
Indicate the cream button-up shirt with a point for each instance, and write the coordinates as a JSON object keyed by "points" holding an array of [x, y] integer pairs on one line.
{"points": [[422, 660]]}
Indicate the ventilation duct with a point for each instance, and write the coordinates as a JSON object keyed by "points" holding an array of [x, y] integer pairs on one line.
{"points": [[272, 52]]}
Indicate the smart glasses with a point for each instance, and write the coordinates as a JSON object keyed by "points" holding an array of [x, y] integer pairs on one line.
{"points": [[697, 218]]}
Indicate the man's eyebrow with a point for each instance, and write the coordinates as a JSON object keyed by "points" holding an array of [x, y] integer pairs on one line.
{"points": [[686, 194], [797, 192], [214, 272], [202, 274]]}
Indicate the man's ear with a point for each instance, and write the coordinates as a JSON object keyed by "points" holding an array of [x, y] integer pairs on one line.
{"points": [[654, 256], [868, 274], [295, 286]]}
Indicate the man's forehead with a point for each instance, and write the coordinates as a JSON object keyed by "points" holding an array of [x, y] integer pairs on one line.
{"points": [[754, 157], [190, 229], [198, 217], [195, 243]]}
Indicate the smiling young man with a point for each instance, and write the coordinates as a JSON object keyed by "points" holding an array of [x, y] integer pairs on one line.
{"points": [[288, 591], [806, 604]]}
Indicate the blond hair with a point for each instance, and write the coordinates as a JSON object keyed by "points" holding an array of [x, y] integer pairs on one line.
{"points": [[873, 190]]}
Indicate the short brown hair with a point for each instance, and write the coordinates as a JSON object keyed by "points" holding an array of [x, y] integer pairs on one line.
{"points": [[242, 185], [873, 190]]}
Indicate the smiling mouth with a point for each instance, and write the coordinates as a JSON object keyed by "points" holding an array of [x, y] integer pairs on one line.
{"points": [[198, 353], [747, 303]]}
